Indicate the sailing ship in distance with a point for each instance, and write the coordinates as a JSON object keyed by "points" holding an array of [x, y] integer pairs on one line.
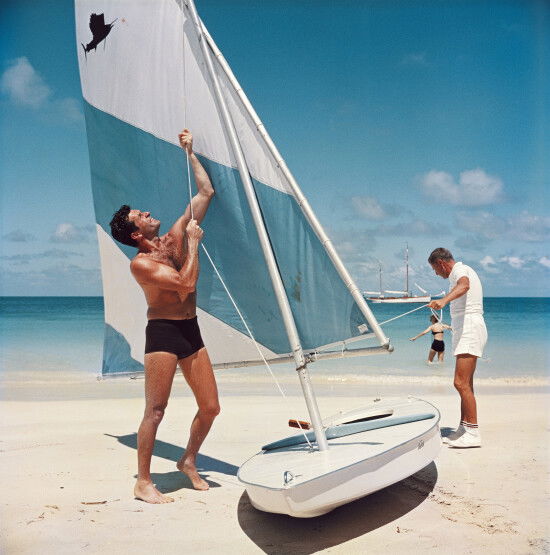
{"points": [[405, 296]]}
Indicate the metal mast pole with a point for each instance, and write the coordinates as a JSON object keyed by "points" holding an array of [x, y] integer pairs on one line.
{"points": [[302, 201], [407, 269], [273, 270]]}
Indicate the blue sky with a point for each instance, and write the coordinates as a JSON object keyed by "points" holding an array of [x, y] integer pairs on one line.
{"points": [[420, 122]]}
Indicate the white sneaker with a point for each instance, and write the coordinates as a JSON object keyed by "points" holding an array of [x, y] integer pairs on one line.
{"points": [[454, 435], [465, 441]]}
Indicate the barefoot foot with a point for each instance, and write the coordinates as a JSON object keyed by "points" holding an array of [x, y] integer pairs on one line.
{"points": [[146, 491], [190, 470]]}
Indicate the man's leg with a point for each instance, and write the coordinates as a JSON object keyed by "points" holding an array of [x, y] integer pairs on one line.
{"points": [[467, 434], [464, 381], [159, 375], [200, 377]]}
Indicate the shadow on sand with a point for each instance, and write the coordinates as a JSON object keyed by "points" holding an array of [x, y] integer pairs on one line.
{"points": [[281, 534], [172, 481], [445, 431], [278, 534]]}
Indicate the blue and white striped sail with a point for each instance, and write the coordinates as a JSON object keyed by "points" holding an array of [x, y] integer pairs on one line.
{"points": [[142, 83]]}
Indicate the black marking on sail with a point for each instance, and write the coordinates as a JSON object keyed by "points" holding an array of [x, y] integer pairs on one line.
{"points": [[99, 30], [297, 287]]}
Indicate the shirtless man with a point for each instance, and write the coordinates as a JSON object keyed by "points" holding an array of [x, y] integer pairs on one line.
{"points": [[469, 338], [167, 269]]}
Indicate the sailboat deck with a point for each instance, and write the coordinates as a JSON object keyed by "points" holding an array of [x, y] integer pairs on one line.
{"points": [[267, 469]]}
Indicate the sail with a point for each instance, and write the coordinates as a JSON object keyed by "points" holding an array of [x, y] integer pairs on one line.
{"points": [[143, 79]]}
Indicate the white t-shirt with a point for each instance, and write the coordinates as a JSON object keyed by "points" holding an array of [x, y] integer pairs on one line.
{"points": [[472, 301]]}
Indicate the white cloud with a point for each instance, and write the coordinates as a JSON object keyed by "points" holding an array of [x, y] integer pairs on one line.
{"points": [[49, 254], [474, 188], [69, 233], [530, 227], [368, 207], [18, 236], [413, 228], [480, 188], [24, 86], [346, 247], [60, 279], [489, 265], [521, 227], [69, 109], [351, 242], [471, 242], [525, 262], [483, 223], [514, 261], [439, 186]]}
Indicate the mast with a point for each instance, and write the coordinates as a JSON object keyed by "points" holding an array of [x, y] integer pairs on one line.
{"points": [[380, 277], [278, 287], [407, 269], [301, 199]]}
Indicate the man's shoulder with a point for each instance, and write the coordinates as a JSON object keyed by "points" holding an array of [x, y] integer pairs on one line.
{"points": [[142, 262], [467, 270], [138, 258], [463, 270], [460, 269]]}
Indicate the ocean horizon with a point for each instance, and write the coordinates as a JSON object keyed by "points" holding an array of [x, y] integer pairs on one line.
{"points": [[65, 335]]}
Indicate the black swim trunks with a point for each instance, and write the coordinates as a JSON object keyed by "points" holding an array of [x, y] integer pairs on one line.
{"points": [[181, 337], [438, 346]]}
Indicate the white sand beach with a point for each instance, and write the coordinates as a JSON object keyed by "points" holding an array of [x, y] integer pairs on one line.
{"points": [[68, 454]]}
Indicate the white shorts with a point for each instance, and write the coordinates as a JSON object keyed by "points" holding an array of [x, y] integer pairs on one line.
{"points": [[469, 335]]}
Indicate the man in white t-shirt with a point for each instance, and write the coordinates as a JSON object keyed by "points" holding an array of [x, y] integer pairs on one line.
{"points": [[469, 338]]}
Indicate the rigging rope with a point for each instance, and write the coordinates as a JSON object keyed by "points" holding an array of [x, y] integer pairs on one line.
{"points": [[439, 317], [184, 125], [401, 315]]}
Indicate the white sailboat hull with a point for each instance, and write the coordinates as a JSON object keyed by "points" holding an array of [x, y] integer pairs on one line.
{"points": [[354, 466], [419, 299]]}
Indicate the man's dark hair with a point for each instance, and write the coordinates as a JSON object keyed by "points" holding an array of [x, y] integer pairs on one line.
{"points": [[122, 228], [440, 254]]}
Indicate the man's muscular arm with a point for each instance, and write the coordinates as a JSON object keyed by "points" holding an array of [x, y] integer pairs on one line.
{"points": [[205, 191], [152, 273]]}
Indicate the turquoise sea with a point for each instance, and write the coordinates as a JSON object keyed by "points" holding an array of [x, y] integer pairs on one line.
{"points": [[65, 334]]}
